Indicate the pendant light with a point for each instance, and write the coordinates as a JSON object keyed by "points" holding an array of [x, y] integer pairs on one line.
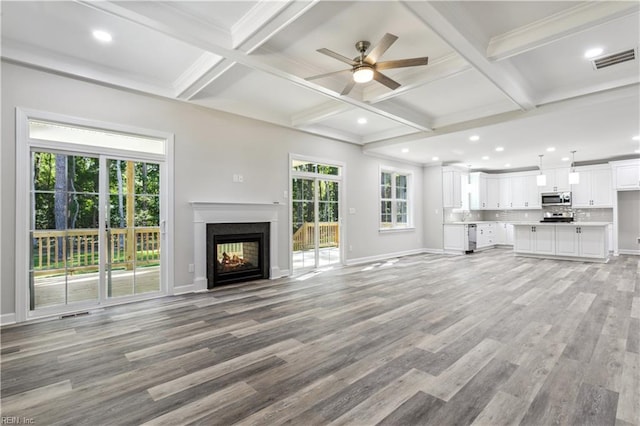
{"points": [[541, 179], [574, 177]]}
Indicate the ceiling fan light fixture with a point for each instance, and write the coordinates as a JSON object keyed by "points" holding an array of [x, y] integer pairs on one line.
{"points": [[363, 74]]}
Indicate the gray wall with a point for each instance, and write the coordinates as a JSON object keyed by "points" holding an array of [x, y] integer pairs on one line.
{"points": [[210, 147], [432, 202], [628, 220]]}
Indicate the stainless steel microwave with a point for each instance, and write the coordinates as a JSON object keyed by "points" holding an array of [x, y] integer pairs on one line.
{"points": [[556, 198]]}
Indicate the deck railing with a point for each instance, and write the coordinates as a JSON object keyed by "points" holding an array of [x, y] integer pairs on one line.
{"points": [[76, 250], [304, 237]]}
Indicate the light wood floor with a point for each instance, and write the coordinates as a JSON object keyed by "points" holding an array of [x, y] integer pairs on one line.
{"points": [[487, 339]]}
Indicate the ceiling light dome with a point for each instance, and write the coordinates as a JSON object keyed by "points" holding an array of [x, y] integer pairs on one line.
{"points": [[363, 74], [102, 36]]}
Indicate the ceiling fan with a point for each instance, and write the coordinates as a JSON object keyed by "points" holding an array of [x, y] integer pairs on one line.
{"points": [[367, 68]]}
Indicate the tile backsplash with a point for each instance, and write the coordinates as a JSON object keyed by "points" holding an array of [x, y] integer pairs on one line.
{"points": [[582, 215]]}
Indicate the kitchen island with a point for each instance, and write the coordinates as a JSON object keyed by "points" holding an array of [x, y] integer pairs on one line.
{"points": [[580, 241]]}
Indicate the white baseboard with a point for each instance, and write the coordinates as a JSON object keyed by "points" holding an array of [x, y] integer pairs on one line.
{"points": [[280, 273], [377, 258], [7, 319], [433, 251], [189, 288], [631, 252]]}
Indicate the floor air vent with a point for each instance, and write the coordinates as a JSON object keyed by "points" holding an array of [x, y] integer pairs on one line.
{"points": [[77, 314], [616, 58]]}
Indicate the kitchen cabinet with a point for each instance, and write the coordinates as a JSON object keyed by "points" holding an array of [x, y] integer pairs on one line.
{"points": [[524, 192], [626, 174], [493, 192], [595, 188], [535, 239], [485, 235], [503, 233], [455, 237], [581, 241], [505, 192], [484, 192], [451, 189], [557, 180]]}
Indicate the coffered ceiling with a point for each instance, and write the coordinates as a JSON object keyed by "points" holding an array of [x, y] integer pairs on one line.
{"points": [[512, 73]]}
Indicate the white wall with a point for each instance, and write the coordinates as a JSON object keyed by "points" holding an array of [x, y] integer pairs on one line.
{"points": [[432, 220], [210, 147]]}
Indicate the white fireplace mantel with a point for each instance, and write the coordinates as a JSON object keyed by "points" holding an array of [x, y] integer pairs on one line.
{"points": [[205, 212]]}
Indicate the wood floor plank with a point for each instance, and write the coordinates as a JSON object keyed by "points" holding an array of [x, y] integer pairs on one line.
{"points": [[385, 401], [430, 339]]}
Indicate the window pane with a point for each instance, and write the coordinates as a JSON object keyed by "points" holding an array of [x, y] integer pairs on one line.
{"points": [[325, 169], [401, 213], [303, 166], [59, 132]]}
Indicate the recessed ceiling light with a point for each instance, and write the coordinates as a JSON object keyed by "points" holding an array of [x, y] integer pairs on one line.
{"points": [[485, 157], [592, 53], [565, 158], [499, 148], [551, 149], [637, 151], [404, 150], [435, 158], [636, 138], [362, 120], [474, 138], [102, 36], [508, 165]]}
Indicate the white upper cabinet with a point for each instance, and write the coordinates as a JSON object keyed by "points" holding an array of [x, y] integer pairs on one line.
{"points": [[595, 188], [505, 192], [451, 189], [493, 192], [524, 192], [557, 180], [626, 174]]}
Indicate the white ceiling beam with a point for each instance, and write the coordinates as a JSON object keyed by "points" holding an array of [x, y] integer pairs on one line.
{"points": [[630, 91], [458, 30], [319, 113], [199, 75], [265, 20], [198, 39], [557, 26], [48, 60]]}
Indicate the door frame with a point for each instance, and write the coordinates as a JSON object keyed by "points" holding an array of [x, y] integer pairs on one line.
{"points": [[342, 181], [24, 146]]}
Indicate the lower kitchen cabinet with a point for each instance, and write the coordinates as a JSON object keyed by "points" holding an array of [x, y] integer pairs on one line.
{"points": [[581, 241], [485, 235], [535, 239], [455, 237], [567, 241]]}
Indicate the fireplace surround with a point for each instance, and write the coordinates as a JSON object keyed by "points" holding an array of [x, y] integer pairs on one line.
{"points": [[207, 212]]}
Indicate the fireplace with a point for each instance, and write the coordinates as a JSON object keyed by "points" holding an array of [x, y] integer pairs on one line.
{"points": [[237, 252]]}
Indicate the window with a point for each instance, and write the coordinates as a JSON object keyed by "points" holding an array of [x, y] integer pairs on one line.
{"points": [[395, 209]]}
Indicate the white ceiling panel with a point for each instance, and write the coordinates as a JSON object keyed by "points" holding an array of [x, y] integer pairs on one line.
{"points": [[560, 70], [511, 71], [64, 30]]}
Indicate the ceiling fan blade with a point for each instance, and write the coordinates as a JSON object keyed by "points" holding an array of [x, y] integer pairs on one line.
{"points": [[315, 77], [380, 48], [337, 56], [348, 87], [381, 78], [401, 63]]}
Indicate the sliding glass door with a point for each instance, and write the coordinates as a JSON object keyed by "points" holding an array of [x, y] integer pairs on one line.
{"points": [[75, 259], [315, 215]]}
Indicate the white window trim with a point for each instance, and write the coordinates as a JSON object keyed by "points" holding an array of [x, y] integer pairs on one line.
{"points": [[409, 174], [23, 180]]}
